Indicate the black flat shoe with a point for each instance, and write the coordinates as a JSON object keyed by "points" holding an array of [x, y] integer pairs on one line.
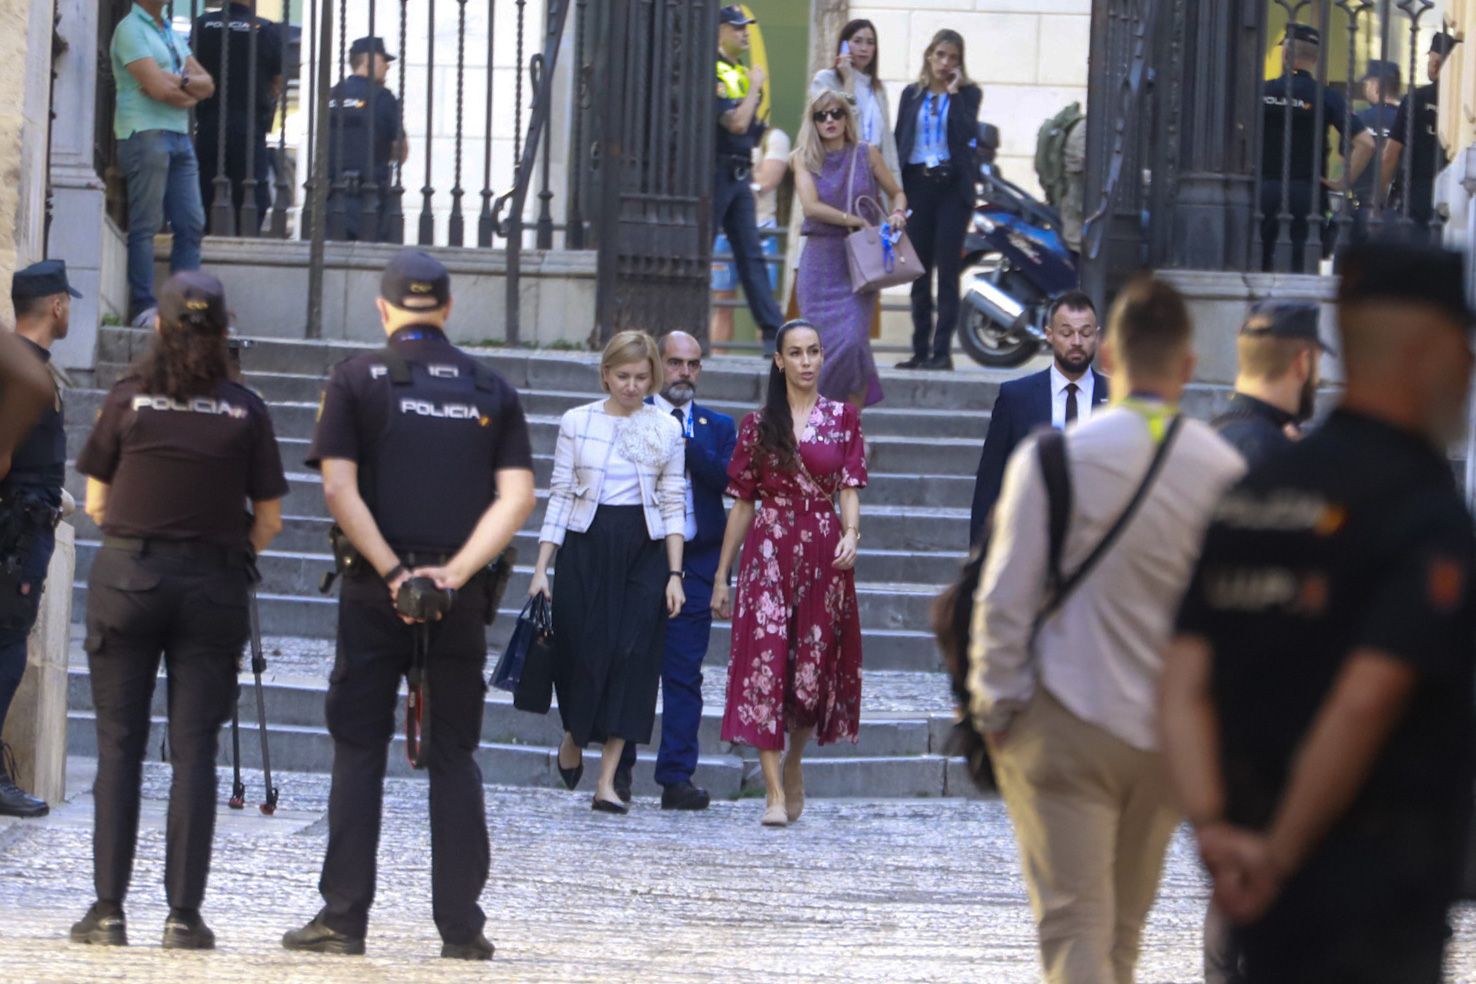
{"points": [[684, 796], [185, 930], [16, 802], [480, 948], [623, 783], [102, 926], [943, 363], [318, 938], [913, 363], [605, 806], [572, 776]]}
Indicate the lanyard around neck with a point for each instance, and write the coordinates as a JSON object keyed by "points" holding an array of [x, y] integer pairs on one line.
{"points": [[1155, 412], [936, 110], [166, 34]]}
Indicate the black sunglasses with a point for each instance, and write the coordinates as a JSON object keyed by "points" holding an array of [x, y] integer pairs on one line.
{"points": [[828, 114]]}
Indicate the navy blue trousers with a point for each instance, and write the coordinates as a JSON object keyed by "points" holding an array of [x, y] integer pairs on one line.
{"points": [[13, 635], [733, 212], [681, 686]]}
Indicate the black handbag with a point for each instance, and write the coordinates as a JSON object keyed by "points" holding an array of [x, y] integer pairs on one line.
{"points": [[526, 665]]}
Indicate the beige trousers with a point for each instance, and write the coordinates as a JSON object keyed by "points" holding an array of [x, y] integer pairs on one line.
{"points": [[1093, 817]]}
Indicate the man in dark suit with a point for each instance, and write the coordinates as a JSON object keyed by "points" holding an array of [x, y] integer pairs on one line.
{"points": [[1066, 392], [711, 438]]}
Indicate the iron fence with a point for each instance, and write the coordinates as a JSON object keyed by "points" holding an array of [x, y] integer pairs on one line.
{"points": [[1231, 136]]}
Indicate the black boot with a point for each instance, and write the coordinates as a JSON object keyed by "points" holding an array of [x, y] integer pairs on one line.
{"points": [[318, 938], [103, 925], [684, 796], [478, 949], [185, 930], [14, 801]]}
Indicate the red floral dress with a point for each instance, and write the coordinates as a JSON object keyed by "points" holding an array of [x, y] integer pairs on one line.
{"points": [[796, 659]]}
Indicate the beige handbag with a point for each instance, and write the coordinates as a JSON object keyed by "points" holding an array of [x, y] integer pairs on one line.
{"points": [[876, 260]]}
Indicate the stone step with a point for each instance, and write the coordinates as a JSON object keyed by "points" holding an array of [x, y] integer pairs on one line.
{"points": [[910, 648], [299, 703]]}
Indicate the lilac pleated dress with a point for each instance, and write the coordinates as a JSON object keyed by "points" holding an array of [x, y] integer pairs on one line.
{"points": [[823, 285]]}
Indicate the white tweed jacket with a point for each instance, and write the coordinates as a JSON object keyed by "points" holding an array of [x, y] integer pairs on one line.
{"points": [[653, 441]]}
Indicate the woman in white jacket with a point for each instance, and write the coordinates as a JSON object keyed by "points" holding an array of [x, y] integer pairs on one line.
{"points": [[618, 490]]}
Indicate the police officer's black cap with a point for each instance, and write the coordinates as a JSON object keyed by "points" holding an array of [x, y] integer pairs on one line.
{"points": [[195, 297], [1383, 71], [41, 280], [1443, 44], [415, 281], [733, 14], [1303, 32], [1381, 270], [1285, 319], [370, 45]]}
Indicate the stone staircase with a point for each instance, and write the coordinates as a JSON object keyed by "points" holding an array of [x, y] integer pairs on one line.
{"points": [[925, 441]]}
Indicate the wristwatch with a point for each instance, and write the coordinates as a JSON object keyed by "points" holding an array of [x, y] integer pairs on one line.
{"points": [[672, 574]]}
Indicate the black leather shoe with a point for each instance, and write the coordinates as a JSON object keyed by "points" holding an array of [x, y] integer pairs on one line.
{"points": [[622, 782], [913, 363], [318, 938], [185, 930], [938, 362], [16, 802], [606, 806], [480, 948], [103, 925], [684, 796]]}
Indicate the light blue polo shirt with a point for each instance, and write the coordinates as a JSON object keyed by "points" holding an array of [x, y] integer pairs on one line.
{"points": [[140, 36]]}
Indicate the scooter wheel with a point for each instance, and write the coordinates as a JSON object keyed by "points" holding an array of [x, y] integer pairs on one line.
{"points": [[992, 344]]}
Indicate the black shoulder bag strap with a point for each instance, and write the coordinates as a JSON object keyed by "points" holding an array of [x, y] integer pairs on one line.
{"points": [[1064, 586]]}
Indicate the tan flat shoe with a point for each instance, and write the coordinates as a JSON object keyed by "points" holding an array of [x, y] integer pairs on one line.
{"points": [[794, 793], [775, 816]]}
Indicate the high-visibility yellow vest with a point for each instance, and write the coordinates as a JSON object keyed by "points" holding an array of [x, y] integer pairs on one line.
{"points": [[733, 77]]}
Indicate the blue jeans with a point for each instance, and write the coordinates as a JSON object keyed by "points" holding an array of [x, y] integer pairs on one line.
{"points": [[163, 183], [14, 634]]}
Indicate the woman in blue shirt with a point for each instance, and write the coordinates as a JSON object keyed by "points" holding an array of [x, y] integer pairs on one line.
{"points": [[937, 121]]}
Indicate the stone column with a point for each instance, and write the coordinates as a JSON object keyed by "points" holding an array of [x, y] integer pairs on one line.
{"points": [[36, 726], [81, 232], [25, 64]]}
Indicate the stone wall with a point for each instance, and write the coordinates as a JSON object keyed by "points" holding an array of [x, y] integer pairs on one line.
{"points": [[1029, 56], [25, 59]]}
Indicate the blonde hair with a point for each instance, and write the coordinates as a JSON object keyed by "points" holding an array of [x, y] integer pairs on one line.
{"points": [[627, 347], [1269, 358], [809, 150], [945, 36]]}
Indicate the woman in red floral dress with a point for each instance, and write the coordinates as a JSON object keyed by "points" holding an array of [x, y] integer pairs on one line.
{"points": [[796, 662]]}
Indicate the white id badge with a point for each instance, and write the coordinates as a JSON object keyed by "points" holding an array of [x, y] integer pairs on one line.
{"points": [[932, 161]]}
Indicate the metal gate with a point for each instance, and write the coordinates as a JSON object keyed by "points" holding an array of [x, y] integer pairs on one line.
{"points": [[642, 161]]}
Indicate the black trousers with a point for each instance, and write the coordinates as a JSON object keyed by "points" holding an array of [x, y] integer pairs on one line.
{"points": [[1301, 201], [206, 146], [733, 212], [940, 217], [374, 652], [355, 223], [192, 611]]}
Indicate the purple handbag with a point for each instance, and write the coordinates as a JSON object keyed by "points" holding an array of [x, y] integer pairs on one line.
{"points": [[877, 255]]}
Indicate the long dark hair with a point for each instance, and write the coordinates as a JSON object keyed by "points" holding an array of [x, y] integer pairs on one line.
{"points": [[776, 424], [848, 32], [189, 356]]}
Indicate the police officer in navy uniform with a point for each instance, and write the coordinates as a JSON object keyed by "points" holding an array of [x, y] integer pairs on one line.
{"points": [[361, 107], [739, 90], [1427, 156], [1276, 388], [1299, 91], [1317, 702], [177, 451], [230, 28], [30, 500], [427, 469]]}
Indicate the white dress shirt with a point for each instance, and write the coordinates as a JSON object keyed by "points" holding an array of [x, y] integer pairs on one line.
{"points": [[1101, 654], [666, 406], [1086, 388]]}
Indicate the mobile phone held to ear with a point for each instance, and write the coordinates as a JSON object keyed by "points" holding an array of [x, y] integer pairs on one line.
{"points": [[845, 49]]}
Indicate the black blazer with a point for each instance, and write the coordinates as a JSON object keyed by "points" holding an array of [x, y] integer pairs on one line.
{"points": [[963, 127], [1022, 407]]}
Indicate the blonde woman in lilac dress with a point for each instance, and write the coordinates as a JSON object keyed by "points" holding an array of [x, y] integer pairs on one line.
{"points": [[832, 171]]}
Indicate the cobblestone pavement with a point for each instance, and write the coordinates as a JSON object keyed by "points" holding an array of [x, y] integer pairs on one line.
{"points": [[857, 891]]}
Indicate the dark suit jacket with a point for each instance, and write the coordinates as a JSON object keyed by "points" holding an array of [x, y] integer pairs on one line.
{"points": [[1022, 407], [963, 129], [709, 449]]}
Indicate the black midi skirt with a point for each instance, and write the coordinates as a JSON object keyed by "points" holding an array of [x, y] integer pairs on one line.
{"points": [[609, 615]]}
